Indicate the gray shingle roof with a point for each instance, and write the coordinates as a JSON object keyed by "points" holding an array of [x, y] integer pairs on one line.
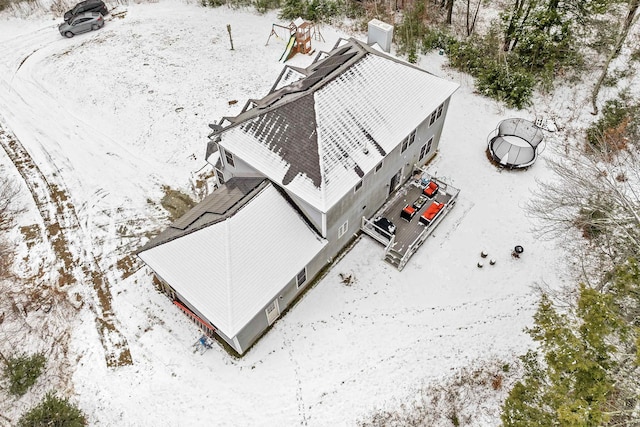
{"points": [[330, 124]]}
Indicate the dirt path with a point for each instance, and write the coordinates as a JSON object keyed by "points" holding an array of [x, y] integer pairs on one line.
{"points": [[75, 262]]}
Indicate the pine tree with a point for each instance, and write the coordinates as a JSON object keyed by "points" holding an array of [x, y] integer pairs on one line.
{"points": [[53, 411], [292, 9], [572, 383]]}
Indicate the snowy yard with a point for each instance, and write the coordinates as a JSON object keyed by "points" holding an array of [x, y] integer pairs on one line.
{"points": [[113, 116]]}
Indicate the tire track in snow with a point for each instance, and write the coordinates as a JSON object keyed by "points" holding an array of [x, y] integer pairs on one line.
{"points": [[62, 228]]}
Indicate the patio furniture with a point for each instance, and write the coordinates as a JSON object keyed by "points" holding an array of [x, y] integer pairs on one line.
{"points": [[431, 189], [431, 212], [419, 203], [408, 212]]}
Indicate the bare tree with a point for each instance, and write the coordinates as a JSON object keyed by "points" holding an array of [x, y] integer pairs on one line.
{"points": [[597, 194], [517, 20], [627, 23], [471, 21]]}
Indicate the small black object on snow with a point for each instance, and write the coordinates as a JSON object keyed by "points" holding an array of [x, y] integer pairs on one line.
{"points": [[480, 264], [518, 249], [483, 254], [492, 261]]}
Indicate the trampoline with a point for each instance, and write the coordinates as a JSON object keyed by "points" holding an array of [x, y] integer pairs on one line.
{"points": [[514, 143]]}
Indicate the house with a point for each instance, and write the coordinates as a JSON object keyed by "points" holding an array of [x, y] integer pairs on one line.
{"points": [[297, 171]]}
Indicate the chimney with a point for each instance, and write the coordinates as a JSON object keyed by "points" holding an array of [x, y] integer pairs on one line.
{"points": [[380, 33]]}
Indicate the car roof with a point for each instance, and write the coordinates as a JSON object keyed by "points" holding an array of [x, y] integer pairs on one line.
{"points": [[87, 15]]}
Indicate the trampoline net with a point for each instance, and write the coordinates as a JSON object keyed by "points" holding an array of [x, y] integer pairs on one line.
{"points": [[511, 155], [523, 129]]}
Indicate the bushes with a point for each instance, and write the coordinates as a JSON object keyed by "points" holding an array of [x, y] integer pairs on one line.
{"points": [[53, 411], [312, 10], [619, 124], [499, 76], [22, 372], [514, 87]]}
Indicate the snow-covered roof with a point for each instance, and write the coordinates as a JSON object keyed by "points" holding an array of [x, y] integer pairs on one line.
{"points": [[232, 268], [320, 134]]}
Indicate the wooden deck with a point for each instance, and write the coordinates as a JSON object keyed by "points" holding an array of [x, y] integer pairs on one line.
{"points": [[409, 234]]}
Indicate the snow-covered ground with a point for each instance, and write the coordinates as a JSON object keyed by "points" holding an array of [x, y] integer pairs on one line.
{"points": [[114, 115]]}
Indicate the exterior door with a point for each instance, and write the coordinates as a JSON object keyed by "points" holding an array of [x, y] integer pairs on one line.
{"points": [[273, 311], [395, 180]]}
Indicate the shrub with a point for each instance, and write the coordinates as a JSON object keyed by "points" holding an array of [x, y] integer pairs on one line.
{"points": [[408, 33], [499, 77], [53, 411], [263, 6], [23, 371], [514, 87], [437, 39], [619, 123], [291, 9]]}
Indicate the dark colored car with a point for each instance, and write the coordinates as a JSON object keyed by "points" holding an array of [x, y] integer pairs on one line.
{"points": [[86, 6], [384, 226], [82, 23]]}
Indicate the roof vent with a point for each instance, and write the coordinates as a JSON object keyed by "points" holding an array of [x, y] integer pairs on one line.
{"points": [[380, 33]]}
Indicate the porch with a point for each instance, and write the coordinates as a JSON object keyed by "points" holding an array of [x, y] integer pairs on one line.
{"points": [[416, 209]]}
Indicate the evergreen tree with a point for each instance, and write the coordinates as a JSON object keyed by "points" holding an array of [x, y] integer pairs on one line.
{"points": [[292, 9], [53, 411], [23, 371], [587, 372]]}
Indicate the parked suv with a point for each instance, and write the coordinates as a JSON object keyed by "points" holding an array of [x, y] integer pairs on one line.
{"points": [[86, 6], [82, 23]]}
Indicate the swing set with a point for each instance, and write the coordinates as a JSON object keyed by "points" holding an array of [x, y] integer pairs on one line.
{"points": [[300, 33]]}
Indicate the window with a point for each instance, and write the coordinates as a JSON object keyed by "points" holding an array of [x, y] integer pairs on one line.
{"points": [[358, 186], [272, 311], [229, 157], [301, 277], [405, 144], [426, 148], [412, 137], [439, 112], [378, 167], [433, 118], [343, 229], [220, 176]]}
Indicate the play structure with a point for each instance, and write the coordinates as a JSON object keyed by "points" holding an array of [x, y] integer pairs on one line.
{"points": [[298, 35], [514, 143]]}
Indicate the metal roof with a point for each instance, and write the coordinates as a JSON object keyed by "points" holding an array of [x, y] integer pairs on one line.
{"points": [[217, 206], [317, 136], [233, 268]]}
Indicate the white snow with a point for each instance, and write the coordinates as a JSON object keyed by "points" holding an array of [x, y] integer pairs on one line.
{"points": [[117, 114], [359, 104], [234, 271]]}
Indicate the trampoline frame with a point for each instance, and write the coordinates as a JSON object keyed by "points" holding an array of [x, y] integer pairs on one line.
{"points": [[495, 134]]}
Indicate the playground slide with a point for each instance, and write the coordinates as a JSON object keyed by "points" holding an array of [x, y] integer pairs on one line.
{"points": [[287, 50]]}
